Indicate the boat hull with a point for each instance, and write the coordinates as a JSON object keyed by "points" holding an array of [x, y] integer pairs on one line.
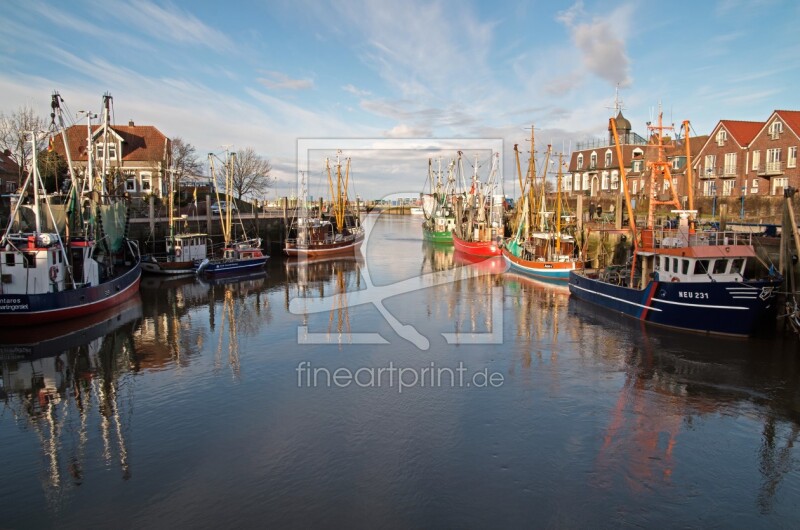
{"points": [[547, 270], [726, 308], [322, 250], [36, 309], [476, 248], [153, 266], [214, 267], [444, 236]]}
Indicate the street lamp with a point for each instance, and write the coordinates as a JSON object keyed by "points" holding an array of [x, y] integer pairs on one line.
{"points": [[714, 200], [741, 214]]}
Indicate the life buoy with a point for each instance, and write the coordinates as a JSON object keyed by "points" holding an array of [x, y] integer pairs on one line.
{"points": [[675, 279], [177, 253], [53, 273]]}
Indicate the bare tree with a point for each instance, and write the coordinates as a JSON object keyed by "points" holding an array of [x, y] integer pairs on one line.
{"points": [[13, 131], [251, 173], [184, 160]]}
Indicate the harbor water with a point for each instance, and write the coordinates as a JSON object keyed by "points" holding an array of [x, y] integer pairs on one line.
{"points": [[408, 387]]}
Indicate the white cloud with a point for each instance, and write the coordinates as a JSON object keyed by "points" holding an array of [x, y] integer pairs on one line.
{"points": [[402, 130], [281, 81], [600, 42], [356, 91]]}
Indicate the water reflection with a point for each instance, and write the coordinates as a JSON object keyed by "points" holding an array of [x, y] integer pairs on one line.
{"points": [[674, 381], [328, 279], [66, 383], [184, 313]]}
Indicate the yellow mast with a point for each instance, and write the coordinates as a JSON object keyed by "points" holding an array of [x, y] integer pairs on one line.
{"points": [[689, 176], [624, 179], [339, 194], [558, 205]]}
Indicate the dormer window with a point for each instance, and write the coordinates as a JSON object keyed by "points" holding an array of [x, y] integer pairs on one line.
{"points": [[776, 129], [593, 161], [112, 151], [580, 161], [608, 158]]}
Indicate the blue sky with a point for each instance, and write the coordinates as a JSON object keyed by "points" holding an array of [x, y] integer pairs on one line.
{"points": [[265, 74]]}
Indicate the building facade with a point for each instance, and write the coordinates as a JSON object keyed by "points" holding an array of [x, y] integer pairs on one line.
{"points": [[133, 158], [750, 158]]}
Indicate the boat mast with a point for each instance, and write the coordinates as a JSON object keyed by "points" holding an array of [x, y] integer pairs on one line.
{"points": [[558, 205], [689, 176], [659, 173], [623, 177]]}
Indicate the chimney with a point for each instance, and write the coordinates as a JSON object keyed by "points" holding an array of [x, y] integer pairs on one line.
{"points": [[130, 123]]}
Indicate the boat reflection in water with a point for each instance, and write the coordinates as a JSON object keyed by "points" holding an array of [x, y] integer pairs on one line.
{"points": [[676, 386], [183, 313], [310, 281], [67, 383]]}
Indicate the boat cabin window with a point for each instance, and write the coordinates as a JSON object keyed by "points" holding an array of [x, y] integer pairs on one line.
{"points": [[666, 263], [720, 265], [10, 260], [685, 268], [701, 266], [737, 265], [674, 264], [29, 260]]}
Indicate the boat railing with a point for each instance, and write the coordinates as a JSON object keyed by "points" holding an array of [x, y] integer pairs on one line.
{"points": [[675, 238]]}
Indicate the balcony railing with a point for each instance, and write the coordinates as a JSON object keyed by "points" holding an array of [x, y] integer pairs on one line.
{"points": [[770, 168], [729, 171]]}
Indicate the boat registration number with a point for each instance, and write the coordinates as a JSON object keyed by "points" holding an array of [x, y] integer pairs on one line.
{"points": [[693, 295]]}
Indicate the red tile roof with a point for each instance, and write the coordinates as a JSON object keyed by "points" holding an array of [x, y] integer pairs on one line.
{"points": [[742, 132], [140, 142], [792, 119]]}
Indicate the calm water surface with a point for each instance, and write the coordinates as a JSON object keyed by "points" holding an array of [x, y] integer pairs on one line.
{"points": [[464, 397]]}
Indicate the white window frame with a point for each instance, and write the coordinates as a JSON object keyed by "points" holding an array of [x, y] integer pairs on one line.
{"points": [[791, 157], [728, 185], [580, 161], [730, 164], [709, 165], [775, 129], [756, 160], [604, 181], [754, 186], [722, 135], [779, 182], [593, 161], [608, 158], [774, 159], [615, 180], [146, 178]]}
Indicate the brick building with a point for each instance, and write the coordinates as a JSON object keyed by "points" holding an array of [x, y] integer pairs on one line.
{"points": [[750, 158]]}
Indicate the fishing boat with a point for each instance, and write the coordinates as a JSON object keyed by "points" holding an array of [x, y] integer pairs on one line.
{"points": [[79, 264], [240, 255], [184, 251], [702, 281], [540, 246], [338, 233], [479, 213], [440, 219]]}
